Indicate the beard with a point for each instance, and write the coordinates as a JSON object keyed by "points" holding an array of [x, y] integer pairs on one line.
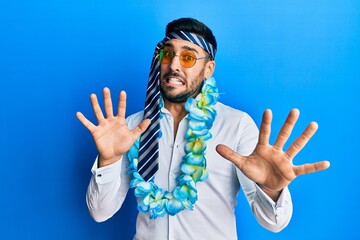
{"points": [[193, 90]]}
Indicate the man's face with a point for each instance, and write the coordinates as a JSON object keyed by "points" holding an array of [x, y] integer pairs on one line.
{"points": [[178, 83]]}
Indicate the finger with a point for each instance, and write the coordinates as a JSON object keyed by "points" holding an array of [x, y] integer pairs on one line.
{"points": [[230, 155], [286, 129], [301, 141], [310, 168], [141, 128], [122, 104], [96, 107], [265, 128], [85, 122], [107, 102]]}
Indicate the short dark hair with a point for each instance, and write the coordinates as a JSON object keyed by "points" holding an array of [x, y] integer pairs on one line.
{"points": [[194, 26]]}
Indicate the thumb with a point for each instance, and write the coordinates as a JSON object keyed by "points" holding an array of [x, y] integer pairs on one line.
{"points": [[230, 155], [141, 128]]}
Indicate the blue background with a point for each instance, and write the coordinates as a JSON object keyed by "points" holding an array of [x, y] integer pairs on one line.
{"points": [[271, 54]]}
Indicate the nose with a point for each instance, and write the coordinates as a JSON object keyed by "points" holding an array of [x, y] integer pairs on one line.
{"points": [[175, 63]]}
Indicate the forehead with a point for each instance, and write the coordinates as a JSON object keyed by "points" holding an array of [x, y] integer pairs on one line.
{"points": [[183, 44]]}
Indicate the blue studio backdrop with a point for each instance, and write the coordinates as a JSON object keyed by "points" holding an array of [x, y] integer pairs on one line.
{"points": [[271, 54]]}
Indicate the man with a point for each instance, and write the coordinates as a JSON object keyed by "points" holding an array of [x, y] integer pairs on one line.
{"points": [[176, 161]]}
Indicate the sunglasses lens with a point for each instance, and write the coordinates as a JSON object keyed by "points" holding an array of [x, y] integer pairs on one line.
{"points": [[187, 58], [167, 55]]}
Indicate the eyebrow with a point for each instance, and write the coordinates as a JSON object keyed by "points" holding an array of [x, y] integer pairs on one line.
{"points": [[183, 47]]}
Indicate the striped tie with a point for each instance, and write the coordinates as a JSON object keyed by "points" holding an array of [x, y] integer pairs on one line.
{"points": [[149, 141]]}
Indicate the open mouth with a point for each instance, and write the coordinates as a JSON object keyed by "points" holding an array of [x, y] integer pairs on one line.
{"points": [[174, 81]]}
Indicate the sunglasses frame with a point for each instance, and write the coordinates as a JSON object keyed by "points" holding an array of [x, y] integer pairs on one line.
{"points": [[161, 55]]}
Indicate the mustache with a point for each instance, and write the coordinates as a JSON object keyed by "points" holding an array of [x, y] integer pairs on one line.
{"points": [[172, 74]]}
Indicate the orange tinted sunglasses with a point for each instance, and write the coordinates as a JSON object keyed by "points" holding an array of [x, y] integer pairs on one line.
{"points": [[187, 57]]}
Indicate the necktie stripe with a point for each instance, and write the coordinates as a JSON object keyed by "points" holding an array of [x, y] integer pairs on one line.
{"points": [[152, 83], [146, 153], [152, 112], [152, 126], [152, 131], [149, 170], [154, 70], [151, 173], [149, 162], [155, 116], [152, 135], [174, 35], [194, 38], [150, 89], [151, 86], [206, 47], [151, 101]]}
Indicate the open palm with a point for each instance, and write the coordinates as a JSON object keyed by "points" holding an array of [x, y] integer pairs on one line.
{"points": [[112, 137], [269, 165]]}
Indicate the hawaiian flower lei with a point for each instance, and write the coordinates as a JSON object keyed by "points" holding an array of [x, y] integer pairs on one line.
{"points": [[153, 199]]}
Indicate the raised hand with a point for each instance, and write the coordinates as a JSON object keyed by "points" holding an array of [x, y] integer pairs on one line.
{"points": [[269, 165], [112, 137]]}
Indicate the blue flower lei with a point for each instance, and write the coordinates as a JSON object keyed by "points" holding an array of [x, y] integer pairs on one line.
{"points": [[152, 198]]}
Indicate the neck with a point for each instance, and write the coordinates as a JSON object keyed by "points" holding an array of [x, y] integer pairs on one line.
{"points": [[178, 112]]}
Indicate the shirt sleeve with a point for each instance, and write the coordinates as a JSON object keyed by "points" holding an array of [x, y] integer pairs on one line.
{"points": [[109, 185], [107, 189], [273, 216]]}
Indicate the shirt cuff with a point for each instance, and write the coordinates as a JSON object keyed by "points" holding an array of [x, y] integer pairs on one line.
{"points": [[281, 202], [106, 174]]}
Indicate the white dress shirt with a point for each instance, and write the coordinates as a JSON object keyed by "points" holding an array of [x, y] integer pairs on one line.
{"points": [[213, 216]]}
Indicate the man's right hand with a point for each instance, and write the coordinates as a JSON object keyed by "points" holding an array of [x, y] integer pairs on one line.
{"points": [[112, 137]]}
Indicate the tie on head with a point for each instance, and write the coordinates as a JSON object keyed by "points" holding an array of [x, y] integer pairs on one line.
{"points": [[148, 163]]}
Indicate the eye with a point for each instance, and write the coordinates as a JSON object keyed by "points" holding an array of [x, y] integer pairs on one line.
{"points": [[168, 53], [188, 56]]}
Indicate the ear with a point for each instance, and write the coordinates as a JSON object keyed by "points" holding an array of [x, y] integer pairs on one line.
{"points": [[209, 69]]}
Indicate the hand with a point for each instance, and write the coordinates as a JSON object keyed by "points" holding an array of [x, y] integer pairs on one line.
{"points": [[269, 165], [112, 137]]}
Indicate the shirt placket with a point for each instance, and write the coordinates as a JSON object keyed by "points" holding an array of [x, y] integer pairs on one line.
{"points": [[176, 157]]}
